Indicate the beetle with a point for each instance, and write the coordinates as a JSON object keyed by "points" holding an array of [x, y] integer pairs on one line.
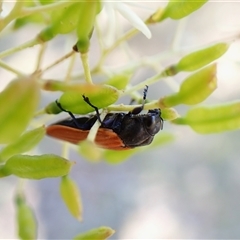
{"points": [[118, 131]]}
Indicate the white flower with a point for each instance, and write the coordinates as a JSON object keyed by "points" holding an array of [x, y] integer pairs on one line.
{"points": [[110, 9]]}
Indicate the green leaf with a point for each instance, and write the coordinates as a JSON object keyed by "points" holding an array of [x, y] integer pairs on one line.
{"points": [[32, 18], [89, 10], [37, 167], [160, 139], [3, 173], [177, 9], [27, 227], [72, 100], [100, 233], [116, 157], [213, 119], [201, 58], [194, 89], [169, 114], [45, 2], [99, 95], [18, 103], [90, 151], [118, 81], [67, 20], [23, 144], [71, 196], [79, 88], [64, 20]]}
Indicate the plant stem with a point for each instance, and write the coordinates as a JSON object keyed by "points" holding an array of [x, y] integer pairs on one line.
{"points": [[28, 44], [86, 68], [58, 61], [127, 108], [70, 68], [125, 37], [40, 56], [10, 69], [12, 15], [44, 8], [141, 85]]}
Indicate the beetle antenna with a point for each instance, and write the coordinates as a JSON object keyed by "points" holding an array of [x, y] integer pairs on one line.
{"points": [[86, 99], [137, 110], [70, 113]]}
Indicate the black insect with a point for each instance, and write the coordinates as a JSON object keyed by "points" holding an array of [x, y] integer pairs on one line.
{"points": [[118, 131]]}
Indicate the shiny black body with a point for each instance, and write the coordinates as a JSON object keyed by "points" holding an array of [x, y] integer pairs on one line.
{"points": [[133, 129]]}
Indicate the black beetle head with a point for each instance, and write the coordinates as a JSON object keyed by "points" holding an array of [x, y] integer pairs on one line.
{"points": [[153, 121]]}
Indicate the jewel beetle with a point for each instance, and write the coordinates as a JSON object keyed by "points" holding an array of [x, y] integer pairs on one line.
{"points": [[118, 131]]}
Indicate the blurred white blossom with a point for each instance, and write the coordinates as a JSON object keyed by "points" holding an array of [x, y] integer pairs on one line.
{"points": [[110, 8]]}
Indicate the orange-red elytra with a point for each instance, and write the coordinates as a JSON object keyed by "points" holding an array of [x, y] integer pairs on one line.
{"points": [[118, 131]]}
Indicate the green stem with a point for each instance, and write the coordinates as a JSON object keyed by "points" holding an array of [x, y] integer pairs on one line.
{"points": [[12, 15], [107, 51], [86, 68], [44, 8], [127, 108], [141, 85], [125, 37], [28, 44], [40, 56], [59, 60], [70, 68], [10, 69]]}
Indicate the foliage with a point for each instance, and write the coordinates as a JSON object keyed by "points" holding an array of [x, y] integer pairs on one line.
{"points": [[22, 95]]}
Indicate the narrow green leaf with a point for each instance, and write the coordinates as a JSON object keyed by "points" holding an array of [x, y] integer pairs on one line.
{"points": [[119, 81], [71, 196], [213, 119], [194, 89], [45, 2], [18, 103], [79, 88], [201, 58], [169, 114], [64, 20], [100, 233], [74, 102], [90, 151], [67, 20], [3, 173], [116, 157], [32, 18], [23, 144], [86, 19], [177, 9], [27, 227], [160, 139], [37, 167], [199, 86]]}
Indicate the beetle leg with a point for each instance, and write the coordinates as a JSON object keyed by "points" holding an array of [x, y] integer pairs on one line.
{"points": [[70, 113], [137, 110], [86, 99]]}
